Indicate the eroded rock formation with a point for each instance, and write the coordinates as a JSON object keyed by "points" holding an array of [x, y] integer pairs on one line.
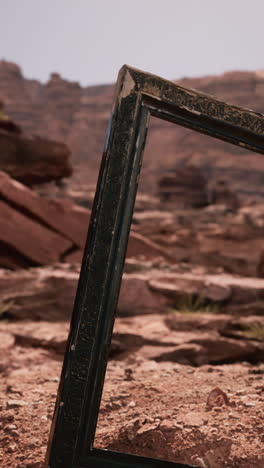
{"points": [[64, 111]]}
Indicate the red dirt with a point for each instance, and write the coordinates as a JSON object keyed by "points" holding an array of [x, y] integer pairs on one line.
{"points": [[148, 408]]}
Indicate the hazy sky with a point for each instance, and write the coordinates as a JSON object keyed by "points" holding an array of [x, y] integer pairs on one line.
{"points": [[89, 40]]}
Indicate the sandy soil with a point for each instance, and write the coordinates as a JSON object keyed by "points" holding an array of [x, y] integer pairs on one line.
{"points": [[148, 408], [28, 387], [163, 413]]}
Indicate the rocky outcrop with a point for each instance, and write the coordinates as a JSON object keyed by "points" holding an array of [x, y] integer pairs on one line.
{"points": [[156, 337], [34, 230], [208, 340], [51, 230], [143, 292], [33, 160], [35, 244], [41, 294], [61, 215], [218, 237]]}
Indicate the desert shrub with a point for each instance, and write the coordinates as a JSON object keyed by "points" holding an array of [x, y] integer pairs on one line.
{"points": [[254, 331], [190, 303]]}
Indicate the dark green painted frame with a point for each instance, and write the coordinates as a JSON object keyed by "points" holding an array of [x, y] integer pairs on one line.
{"points": [[138, 95]]}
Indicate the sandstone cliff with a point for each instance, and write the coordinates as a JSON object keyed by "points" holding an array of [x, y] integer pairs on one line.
{"points": [[65, 111]]}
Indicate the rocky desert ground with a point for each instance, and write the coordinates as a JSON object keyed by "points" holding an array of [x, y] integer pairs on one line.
{"points": [[185, 375]]}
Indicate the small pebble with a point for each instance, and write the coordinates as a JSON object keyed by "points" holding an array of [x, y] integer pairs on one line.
{"points": [[250, 404], [10, 427], [16, 403], [132, 404]]}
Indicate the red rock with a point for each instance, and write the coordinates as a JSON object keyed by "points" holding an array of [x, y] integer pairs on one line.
{"points": [[217, 398], [177, 285], [223, 350], [140, 246], [188, 353], [35, 243], [74, 257], [234, 290], [61, 216], [140, 294], [33, 160], [197, 321], [136, 298], [39, 293], [11, 258], [64, 111], [45, 225], [52, 338]]}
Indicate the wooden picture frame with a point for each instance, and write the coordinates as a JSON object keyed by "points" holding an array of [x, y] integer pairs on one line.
{"points": [[138, 95]]}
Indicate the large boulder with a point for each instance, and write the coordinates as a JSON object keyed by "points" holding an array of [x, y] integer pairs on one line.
{"points": [[35, 230], [33, 160], [60, 215], [33, 241]]}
